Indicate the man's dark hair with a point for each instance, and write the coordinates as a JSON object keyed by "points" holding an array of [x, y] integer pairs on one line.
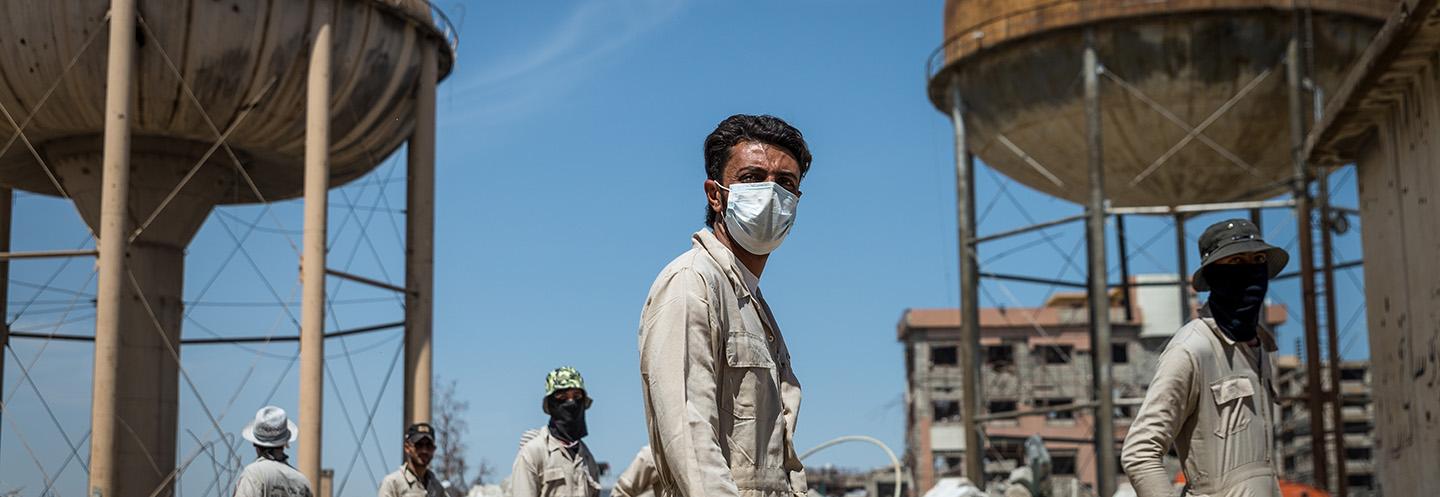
{"points": [[742, 128]]}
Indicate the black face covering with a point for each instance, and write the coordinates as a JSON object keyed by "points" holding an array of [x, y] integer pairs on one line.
{"points": [[567, 419], [1237, 295]]}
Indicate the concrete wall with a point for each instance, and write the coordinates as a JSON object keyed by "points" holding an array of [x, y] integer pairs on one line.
{"points": [[1399, 172]]}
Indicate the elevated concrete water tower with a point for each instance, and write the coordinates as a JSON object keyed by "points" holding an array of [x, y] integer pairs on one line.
{"points": [[201, 103], [1148, 105]]}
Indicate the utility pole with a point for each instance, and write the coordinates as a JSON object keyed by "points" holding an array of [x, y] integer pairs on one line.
{"points": [[1099, 289]]}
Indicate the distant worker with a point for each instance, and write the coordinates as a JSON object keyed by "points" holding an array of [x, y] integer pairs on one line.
{"points": [[270, 432], [555, 462], [1021, 483], [1212, 397], [639, 479], [721, 400], [414, 478]]}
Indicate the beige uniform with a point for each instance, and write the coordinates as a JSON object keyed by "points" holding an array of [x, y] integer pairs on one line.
{"points": [[1214, 400], [269, 478], [639, 478], [404, 483], [546, 468], [720, 398]]}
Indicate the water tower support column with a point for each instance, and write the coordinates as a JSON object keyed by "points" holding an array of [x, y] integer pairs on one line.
{"points": [[1099, 290], [312, 263], [969, 292], [1315, 399], [113, 234], [420, 247]]}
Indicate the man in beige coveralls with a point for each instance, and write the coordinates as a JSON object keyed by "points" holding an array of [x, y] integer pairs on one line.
{"points": [[1213, 394], [554, 461], [720, 398]]}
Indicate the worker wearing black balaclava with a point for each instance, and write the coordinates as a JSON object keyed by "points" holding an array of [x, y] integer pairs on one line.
{"points": [[553, 461], [567, 414], [1213, 396]]}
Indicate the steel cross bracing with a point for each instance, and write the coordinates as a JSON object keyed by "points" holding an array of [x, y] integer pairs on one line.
{"points": [[227, 469]]}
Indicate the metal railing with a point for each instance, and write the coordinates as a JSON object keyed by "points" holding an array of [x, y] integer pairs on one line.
{"points": [[435, 20]]}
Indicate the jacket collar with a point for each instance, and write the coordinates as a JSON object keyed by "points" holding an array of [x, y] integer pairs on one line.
{"points": [[1267, 337], [706, 240], [411, 478], [553, 444]]}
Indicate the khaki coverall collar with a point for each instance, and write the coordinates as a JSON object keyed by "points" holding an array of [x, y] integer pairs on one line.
{"points": [[411, 478], [1267, 338], [706, 240]]}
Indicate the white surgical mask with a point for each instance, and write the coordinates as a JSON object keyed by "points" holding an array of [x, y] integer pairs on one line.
{"points": [[759, 215]]}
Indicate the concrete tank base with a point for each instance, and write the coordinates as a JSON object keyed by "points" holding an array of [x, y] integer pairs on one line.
{"points": [[147, 373]]}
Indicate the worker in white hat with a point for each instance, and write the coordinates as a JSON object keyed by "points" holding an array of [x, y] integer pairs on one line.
{"points": [[271, 431]]}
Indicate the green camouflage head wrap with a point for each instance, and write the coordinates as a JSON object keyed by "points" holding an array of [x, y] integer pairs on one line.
{"points": [[561, 379]]}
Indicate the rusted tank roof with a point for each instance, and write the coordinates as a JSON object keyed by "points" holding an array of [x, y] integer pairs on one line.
{"points": [[243, 60], [1170, 68]]}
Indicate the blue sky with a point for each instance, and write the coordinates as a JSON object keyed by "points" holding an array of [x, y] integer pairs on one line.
{"points": [[569, 173]]}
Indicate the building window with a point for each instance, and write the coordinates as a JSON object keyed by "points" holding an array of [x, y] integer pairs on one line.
{"points": [[1289, 464], [944, 356], [1357, 427], [1044, 403], [1359, 453], [1062, 464], [1352, 373], [1362, 481], [947, 410], [1002, 406], [1056, 354], [999, 355], [1119, 353]]}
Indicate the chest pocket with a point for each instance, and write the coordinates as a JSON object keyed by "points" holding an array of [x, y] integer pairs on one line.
{"points": [[553, 482], [1242, 439], [752, 371], [1235, 402]]}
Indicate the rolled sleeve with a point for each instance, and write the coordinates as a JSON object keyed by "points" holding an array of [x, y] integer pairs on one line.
{"points": [[1169, 402], [678, 367]]}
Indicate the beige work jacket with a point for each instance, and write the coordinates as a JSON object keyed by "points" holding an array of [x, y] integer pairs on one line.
{"points": [[404, 483], [267, 478], [1214, 400], [720, 398], [545, 468], [639, 478]]}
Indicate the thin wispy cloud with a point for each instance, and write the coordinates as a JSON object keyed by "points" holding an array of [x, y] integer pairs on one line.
{"points": [[534, 71]]}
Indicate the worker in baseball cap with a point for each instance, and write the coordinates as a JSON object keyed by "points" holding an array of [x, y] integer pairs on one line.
{"points": [[1213, 395], [414, 478], [555, 461]]}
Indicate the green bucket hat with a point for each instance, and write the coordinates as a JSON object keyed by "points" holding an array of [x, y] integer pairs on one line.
{"points": [[564, 378], [1231, 237]]}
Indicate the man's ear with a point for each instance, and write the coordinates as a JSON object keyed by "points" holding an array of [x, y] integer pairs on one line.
{"points": [[714, 196]]}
